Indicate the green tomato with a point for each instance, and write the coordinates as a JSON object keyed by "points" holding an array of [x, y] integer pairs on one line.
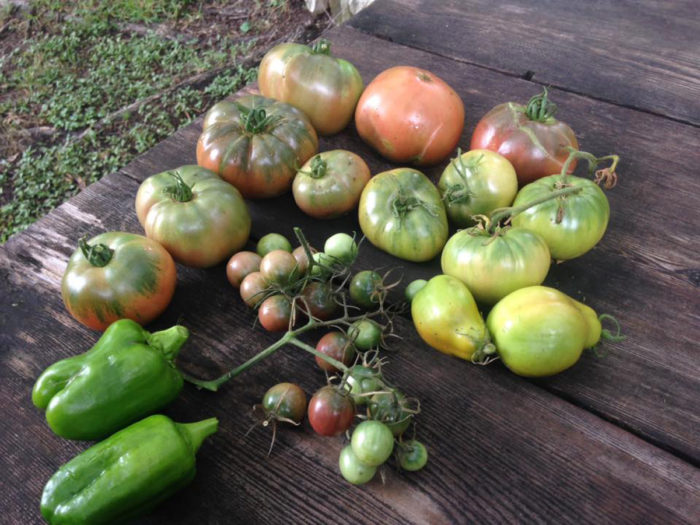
{"points": [[199, 218], [389, 408], [273, 241], [402, 213], [342, 247], [285, 400], [540, 331], [372, 442], [570, 225], [412, 455], [363, 380], [330, 183], [476, 183], [492, 266], [367, 288], [366, 334], [323, 265], [352, 469], [413, 288]]}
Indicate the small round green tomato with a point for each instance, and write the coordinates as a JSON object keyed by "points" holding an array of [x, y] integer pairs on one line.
{"points": [[413, 288], [412, 455], [323, 265], [352, 469], [364, 380], [341, 246], [366, 334], [366, 289], [285, 400], [372, 442], [273, 241], [389, 408], [476, 183]]}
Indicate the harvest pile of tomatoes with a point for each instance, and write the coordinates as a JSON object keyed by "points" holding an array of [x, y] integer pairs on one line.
{"points": [[513, 194]]}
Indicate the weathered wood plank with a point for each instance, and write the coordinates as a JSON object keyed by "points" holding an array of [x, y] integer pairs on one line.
{"points": [[492, 436], [641, 54]]}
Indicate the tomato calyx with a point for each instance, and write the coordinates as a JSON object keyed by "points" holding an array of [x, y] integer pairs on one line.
{"points": [[322, 47], [179, 191], [97, 255], [256, 120], [402, 205], [461, 192], [319, 168], [540, 109]]}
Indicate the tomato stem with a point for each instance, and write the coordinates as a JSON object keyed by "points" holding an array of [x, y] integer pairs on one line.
{"points": [[322, 47], [255, 120], [607, 334], [97, 255], [179, 191], [539, 108], [592, 160]]}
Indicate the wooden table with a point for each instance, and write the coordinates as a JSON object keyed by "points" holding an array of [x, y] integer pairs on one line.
{"points": [[612, 440]]}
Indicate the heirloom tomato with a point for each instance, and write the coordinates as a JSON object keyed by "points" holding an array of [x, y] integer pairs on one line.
{"points": [[446, 317], [330, 184], [275, 313], [324, 87], [570, 224], [476, 183], [118, 275], [410, 115], [493, 265], [534, 142], [199, 218], [338, 346], [256, 144], [540, 331], [240, 265], [401, 212], [285, 401], [330, 411]]}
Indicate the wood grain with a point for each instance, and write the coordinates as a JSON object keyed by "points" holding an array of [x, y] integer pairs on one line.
{"points": [[642, 54]]}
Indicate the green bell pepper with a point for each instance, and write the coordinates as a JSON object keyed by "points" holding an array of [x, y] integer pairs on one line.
{"points": [[127, 375], [127, 474]]}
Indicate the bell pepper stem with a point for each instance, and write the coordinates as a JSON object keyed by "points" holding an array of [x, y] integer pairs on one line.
{"points": [[196, 433], [169, 341]]}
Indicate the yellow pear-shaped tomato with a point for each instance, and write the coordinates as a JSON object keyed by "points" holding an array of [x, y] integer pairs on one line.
{"points": [[447, 318], [540, 331]]}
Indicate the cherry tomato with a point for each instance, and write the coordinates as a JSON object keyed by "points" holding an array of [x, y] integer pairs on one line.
{"points": [[273, 241], [372, 442], [253, 288], [285, 400], [412, 455], [319, 298], [279, 267], [410, 115], [413, 288], [342, 247], [364, 380], [534, 142], [330, 411], [352, 469], [274, 313], [302, 260], [240, 265], [338, 346], [366, 334], [389, 408], [367, 288]]}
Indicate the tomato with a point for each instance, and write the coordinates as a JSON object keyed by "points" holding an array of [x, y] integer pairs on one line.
{"points": [[330, 411], [275, 312], [367, 289], [302, 260], [534, 142], [492, 266], [240, 265], [324, 87], [253, 289], [410, 115], [341, 247], [279, 267], [273, 241], [413, 288], [570, 225], [285, 401], [330, 183], [318, 300], [476, 183], [352, 469], [446, 317], [323, 265], [338, 346], [256, 144], [199, 218], [401, 212], [364, 381], [372, 442], [540, 331], [390, 409], [118, 275], [366, 334], [412, 455]]}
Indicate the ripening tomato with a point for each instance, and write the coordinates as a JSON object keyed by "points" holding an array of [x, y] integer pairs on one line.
{"points": [[338, 346], [410, 115], [199, 218], [256, 144], [534, 142], [401, 212], [240, 265], [324, 87], [285, 401], [492, 266], [540, 331], [275, 312], [253, 289], [570, 225], [330, 411], [118, 275]]}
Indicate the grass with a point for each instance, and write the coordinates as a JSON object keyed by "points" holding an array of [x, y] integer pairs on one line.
{"points": [[76, 72]]}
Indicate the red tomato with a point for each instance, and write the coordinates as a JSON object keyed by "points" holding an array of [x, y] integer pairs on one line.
{"points": [[330, 412], [410, 115], [274, 313]]}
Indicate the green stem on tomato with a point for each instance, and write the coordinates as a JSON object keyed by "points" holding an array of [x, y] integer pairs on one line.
{"points": [[179, 191], [592, 160], [97, 255]]}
